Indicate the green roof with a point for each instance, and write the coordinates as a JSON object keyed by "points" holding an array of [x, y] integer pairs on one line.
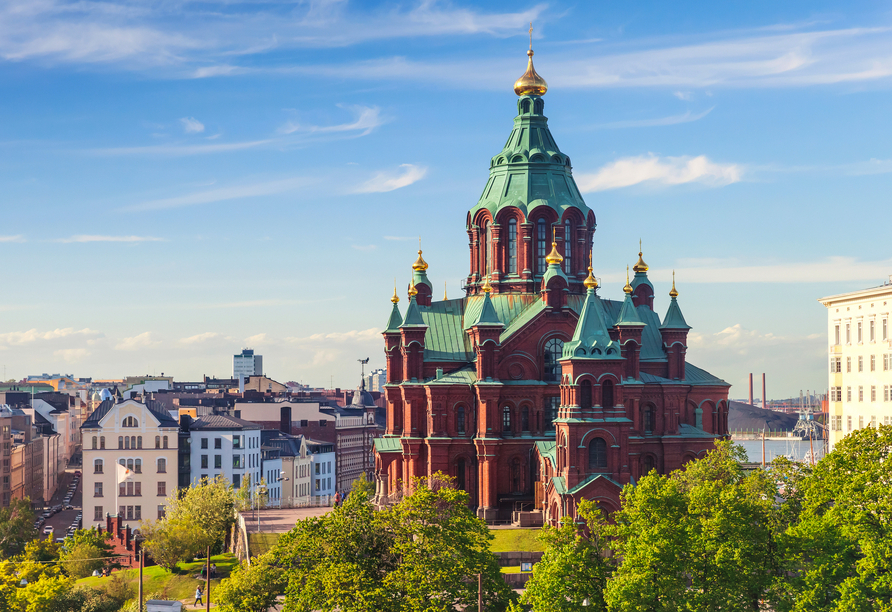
{"points": [[390, 444], [488, 314], [530, 171], [628, 315], [547, 450], [674, 319], [464, 376], [591, 340], [640, 278], [395, 320], [413, 315]]}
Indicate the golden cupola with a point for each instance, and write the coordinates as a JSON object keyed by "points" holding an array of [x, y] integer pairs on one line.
{"points": [[420, 265], [640, 266], [530, 84]]}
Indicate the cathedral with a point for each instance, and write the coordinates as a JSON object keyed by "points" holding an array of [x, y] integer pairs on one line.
{"points": [[532, 390]]}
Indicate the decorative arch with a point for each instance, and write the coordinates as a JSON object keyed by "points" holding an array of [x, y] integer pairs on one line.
{"points": [[600, 432], [597, 454], [648, 418]]}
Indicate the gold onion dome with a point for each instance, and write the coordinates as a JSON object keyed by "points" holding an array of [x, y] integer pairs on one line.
{"points": [[640, 266], [628, 287], [486, 286], [395, 299], [590, 282], [412, 290], [554, 257], [673, 293], [530, 84], [420, 265]]}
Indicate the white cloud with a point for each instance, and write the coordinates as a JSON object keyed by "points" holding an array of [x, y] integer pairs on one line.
{"points": [[256, 339], [74, 355], [659, 170], [32, 335], [367, 119], [687, 117], [200, 338], [176, 150], [389, 181], [15, 238], [97, 238], [135, 343], [349, 336], [684, 95], [191, 125]]}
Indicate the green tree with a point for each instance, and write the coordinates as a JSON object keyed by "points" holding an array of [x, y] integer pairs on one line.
{"points": [[41, 550], [574, 570], [209, 504], [16, 527], [45, 595], [251, 589], [172, 540], [86, 551], [844, 535], [704, 538]]}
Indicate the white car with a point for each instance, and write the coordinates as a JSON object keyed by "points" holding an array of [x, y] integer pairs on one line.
{"points": [[48, 530]]}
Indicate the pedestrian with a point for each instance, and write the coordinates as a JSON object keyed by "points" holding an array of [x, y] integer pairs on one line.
{"points": [[198, 601], [337, 499], [213, 570]]}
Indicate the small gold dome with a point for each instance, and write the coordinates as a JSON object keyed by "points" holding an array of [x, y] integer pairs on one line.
{"points": [[395, 299], [590, 282], [412, 290], [628, 287], [420, 265], [530, 84], [486, 286], [640, 266], [554, 257], [673, 293]]}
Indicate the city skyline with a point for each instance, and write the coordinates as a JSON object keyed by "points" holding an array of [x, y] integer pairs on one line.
{"points": [[181, 183]]}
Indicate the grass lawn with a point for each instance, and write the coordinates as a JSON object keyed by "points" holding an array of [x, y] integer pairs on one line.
{"points": [[259, 543], [509, 540], [159, 582]]}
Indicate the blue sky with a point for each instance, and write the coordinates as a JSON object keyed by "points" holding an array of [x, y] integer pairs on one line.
{"points": [[181, 179]]}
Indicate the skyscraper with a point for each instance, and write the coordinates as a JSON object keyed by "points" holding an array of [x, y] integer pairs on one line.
{"points": [[246, 364]]}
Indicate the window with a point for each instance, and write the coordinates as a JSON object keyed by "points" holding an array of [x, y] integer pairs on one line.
{"points": [[218, 442], [568, 248], [204, 461], [541, 246], [886, 392], [860, 422], [859, 332], [506, 420], [317, 485], [160, 511], [130, 464], [236, 441], [121, 442], [218, 461], [836, 365], [95, 442], [836, 423], [860, 394], [554, 349], [848, 364], [512, 246], [460, 420], [323, 423], [97, 489], [648, 419], [885, 329], [318, 468], [204, 443], [873, 393], [162, 489], [139, 442], [97, 466], [304, 422], [873, 421], [137, 466], [162, 465], [525, 418], [237, 463], [872, 330], [848, 394], [157, 441], [607, 394], [860, 363], [597, 454], [887, 362], [873, 363], [130, 422], [137, 488], [585, 394], [97, 513], [484, 251], [164, 442], [102, 442], [848, 333], [551, 411], [836, 334], [848, 423]]}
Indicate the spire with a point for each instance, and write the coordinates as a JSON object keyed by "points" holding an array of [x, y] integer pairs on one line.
{"points": [[674, 319], [488, 314], [420, 265], [412, 290], [396, 319], [628, 288], [486, 286], [591, 340], [628, 314], [413, 313], [445, 297], [395, 299], [530, 84], [673, 293], [640, 266]]}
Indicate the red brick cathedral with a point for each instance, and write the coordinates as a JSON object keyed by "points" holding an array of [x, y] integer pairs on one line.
{"points": [[532, 390]]}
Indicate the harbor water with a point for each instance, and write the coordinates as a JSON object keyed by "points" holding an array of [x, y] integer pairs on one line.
{"points": [[794, 448]]}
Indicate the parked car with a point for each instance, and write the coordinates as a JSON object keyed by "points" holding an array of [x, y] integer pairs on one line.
{"points": [[48, 530], [60, 540], [77, 473]]}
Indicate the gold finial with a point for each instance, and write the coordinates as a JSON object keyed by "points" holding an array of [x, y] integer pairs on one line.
{"points": [[530, 84], [590, 282], [412, 290], [395, 299], [486, 286], [628, 287], [420, 265], [673, 293], [554, 257], [445, 297], [640, 266]]}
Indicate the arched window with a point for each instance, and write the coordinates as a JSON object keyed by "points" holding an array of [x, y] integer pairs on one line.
{"points": [[597, 454], [506, 420], [460, 425], [607, 394], [102, 442], [484, 252], [512, 246], [525, 418], [130, 464], [162, 465], [541, 246], [95, 442], [97, 466], [648, 419], [647, 464], [157, 441], [585, 394], [120, 441], [130, 422], [554, 348], [460, 474], [568, 248], [137, 466], [164, 445], [122, 462]]}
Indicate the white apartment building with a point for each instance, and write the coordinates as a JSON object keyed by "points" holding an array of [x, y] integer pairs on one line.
{"points": [[245, 365], [322, 468], [142, 439], [860, 359], [225, 446]]}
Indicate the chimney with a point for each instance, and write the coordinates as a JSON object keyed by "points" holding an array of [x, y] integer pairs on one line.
{"points": [[751, 388], [764, 397]]}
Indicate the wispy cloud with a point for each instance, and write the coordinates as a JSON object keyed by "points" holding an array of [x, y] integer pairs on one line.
{"points": [[191, 125], [659, 171], [389, 181], [98, 238], [32, 335], [224, 194], [72, 355], [367, 119], [687, 117], [134, 343], [15, 238], [183, 149], [200, 338]]}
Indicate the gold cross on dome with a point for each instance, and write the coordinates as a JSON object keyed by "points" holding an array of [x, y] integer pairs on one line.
{"points": [[531, 35]]}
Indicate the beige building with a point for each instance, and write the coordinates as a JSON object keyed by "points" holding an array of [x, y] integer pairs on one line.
{"points": [[141, 438], [860, 359]]}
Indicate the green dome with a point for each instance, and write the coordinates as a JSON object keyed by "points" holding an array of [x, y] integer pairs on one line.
{"points": [[530, 171]]}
